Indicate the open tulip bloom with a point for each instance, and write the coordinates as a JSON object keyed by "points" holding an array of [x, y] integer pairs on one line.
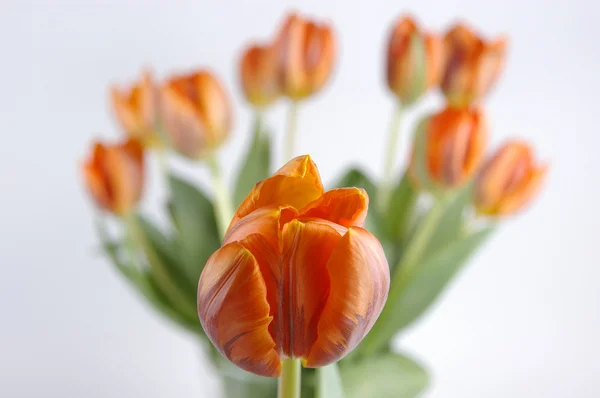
{"points": [[300, 284]]}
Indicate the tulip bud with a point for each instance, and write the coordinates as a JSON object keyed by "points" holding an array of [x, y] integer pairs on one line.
{"points": [[454, 145], [297, 275], [306, 53], [414, 61], [196, 113], [471, 65], [508, 181], [136, 109], [258, 72], [114, 175]]}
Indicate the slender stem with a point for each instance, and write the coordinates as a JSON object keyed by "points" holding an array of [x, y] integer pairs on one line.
{"points": [[163, 162], [392, 149], [292, 122], [223, 206], [290, 380]]}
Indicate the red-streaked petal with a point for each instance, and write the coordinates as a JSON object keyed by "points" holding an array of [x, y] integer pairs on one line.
{"points": [[344, 206], [306, 249], [234, 311], [359, 283], [296, 184]]}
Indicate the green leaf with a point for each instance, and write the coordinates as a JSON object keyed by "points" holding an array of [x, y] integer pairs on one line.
{"points": [[422, 286], [165, 269], [194, 217], [384, 376], [329, 382], [143, 282], [257, 163], [399, 216]]}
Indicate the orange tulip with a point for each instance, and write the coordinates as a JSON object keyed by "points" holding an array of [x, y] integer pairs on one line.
{"points": [[296, 276], [472, 65], [414, 61], [306, 52], [135, 109], [509, 180], [258, 72], [114, 175], [196, 113], [454, 147]]}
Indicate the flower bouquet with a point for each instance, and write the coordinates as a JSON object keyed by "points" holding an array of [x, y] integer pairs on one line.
{"points": [[279, 278]]}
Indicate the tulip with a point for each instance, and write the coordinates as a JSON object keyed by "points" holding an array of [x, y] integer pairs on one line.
{"points": [[471, 65], [196, 113], [297, 276], [135, 109], [509, 180], [114, 175], [414, 61], [454, 145], [306, 53], [258, 72]]}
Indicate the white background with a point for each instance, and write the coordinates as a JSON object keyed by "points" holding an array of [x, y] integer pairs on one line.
{"points": [[523, 320]]}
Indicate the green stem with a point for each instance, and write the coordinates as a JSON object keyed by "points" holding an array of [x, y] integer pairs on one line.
{"points": [[290, 380], [290, 139], [378, 336], [392, 149], [223, 206], [163, 162]]}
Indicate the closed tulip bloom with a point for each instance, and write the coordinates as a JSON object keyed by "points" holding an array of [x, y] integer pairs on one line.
{"points": [[509, 180], [297, 275], [259, 78], [114, 175], [414, 61], [454, 147], [471, 65], [136, 109], [196, 113], [306, 52]]}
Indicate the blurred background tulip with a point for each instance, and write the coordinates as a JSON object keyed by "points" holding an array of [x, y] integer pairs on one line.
{"points": [[414, 60], [135, 109], [454, 146], [114, 175], [306, 52], [471, 65], [509, 180], [196, 113], [259, 75], [296, 277]]}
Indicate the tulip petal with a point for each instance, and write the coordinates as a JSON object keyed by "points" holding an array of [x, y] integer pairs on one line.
{"points": [[345, 206], [266, 221], [359, 283], [234, 311], [306, 249], [296, 184], [523, 193]]}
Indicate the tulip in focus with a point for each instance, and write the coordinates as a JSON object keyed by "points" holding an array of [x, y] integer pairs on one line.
{"points": [[196, 113], [471, 65], [508, 181], [297, 275], [259, 77], [454, 146], [114, 175], [414, 61], [136, 109], [306, 51]]}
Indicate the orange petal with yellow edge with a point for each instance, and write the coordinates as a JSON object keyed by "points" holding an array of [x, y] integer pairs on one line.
{"points": [[306, 249], [266, 221], [523, 193], [234, 311], [296, 184], [359, 283], [345, 206]]}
